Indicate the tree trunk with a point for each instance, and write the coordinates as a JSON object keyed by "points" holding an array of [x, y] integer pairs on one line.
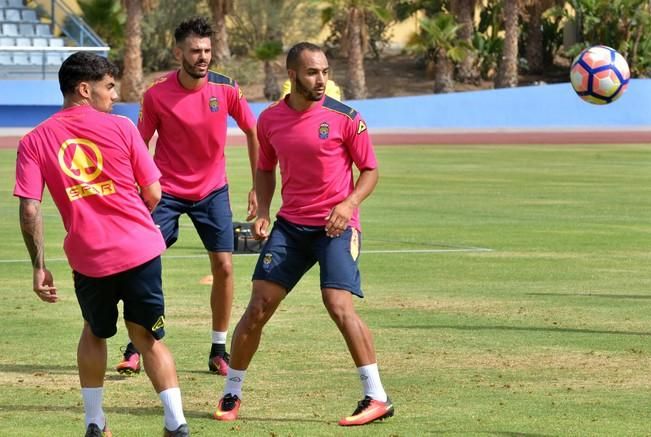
{"points": [[507, 73], [356, 86], [443, 81], [131, 85], [271, 88], [534, 50], [464, 13], [220, 49]]}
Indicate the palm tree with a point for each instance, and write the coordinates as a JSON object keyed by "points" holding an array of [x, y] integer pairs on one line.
{"points": [[534, 48], [267, 52], [355, 37], [507, 72], [356, 40], [132, 84], [220, 49], [464, 12], [438, 40]]}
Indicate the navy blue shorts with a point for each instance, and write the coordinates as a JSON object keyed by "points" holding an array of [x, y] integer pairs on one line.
{"points": [[211, 216], [141, 291], [292, 250]]}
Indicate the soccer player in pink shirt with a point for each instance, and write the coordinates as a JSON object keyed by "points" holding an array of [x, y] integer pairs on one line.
{"points": [[316, 140], [104, 184], [189, 109]]}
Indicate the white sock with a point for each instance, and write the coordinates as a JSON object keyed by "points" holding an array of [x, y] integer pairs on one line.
{"points": [[371, 384], [173, 408], [234, 381], [219, 337], [93, 406]]}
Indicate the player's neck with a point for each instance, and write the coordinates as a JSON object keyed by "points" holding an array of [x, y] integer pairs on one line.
{"points": [[71, 102], [188, 82], [299, 103]]}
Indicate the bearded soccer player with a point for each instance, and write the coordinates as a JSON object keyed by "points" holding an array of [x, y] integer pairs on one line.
{"points": [[189, 110], [91, 162], [315, 140]]}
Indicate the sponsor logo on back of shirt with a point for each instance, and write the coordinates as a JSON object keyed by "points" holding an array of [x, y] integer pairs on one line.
{"points": [[82, 160]]}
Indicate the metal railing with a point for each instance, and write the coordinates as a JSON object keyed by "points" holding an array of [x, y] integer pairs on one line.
{"points": [[73, 26]]}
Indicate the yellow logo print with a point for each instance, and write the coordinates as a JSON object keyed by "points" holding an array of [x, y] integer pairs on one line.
{"points": [[354, 244], [361, 127], [82, 160], [160, 323]]}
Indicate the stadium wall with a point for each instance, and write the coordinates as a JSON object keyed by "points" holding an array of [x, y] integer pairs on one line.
{"points": [[26, 103]]}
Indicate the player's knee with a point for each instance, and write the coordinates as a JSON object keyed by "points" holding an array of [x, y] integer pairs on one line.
{"points": [[221, 267]]}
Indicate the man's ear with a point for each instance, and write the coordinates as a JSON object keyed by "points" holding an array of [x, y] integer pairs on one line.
{"points": [[178, 53], [84, 89]]}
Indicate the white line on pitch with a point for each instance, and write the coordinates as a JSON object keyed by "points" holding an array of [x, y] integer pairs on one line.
{"points": [[368, 252]]}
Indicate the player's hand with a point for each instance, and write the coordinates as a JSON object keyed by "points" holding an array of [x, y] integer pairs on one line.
{"points": [[337, 220], [44, 285], [261, 228], [252, 209]]}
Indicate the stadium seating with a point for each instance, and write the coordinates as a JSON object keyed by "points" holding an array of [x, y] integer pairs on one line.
{"points": [[20, 27]]}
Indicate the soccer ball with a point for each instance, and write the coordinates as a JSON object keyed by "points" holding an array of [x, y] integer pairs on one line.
{"points": [[599, 75]]}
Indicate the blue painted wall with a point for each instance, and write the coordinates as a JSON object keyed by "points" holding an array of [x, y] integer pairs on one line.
{"points": [[25, 103]]}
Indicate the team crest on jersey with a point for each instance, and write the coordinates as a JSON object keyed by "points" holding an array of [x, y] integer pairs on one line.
{"points": [[214, 104], [324, 130], [82, 160], [266, 262]]}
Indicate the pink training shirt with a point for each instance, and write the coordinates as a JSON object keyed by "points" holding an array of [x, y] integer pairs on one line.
{"points": [[191, 127], [315, 150], [91, 162]]}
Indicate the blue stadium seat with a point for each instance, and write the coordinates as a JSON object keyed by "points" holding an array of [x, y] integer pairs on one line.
{"points": [[30, 15], [9, 29], [15, 3], [5, 58], [23, 42], [2, 15], [26, 29], [43, 30], [36, 58], [56, 42], [7, 41], [39, 42], [12, 15], [54, 58], [21, 58]]}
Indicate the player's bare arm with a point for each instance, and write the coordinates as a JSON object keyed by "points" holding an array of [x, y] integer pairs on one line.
{"points": [[151, 195], [264, 188], [253, 147], [337, 220], [31, 226]]}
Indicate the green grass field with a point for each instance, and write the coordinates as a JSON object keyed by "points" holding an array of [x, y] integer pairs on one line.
{"points": [[546, 333]]}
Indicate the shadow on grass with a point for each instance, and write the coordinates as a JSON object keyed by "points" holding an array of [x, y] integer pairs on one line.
{"points": [[606, 296], [519, 328], [150, 411], [37, 368]]}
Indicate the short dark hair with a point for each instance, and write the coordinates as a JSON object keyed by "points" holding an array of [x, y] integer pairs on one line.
{"points": [[199, 26], [81, 67], [295, 52]]}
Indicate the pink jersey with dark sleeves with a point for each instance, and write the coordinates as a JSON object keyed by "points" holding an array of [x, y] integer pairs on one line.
{"points": [[191, 127], [91, 162], [315, 150]]}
